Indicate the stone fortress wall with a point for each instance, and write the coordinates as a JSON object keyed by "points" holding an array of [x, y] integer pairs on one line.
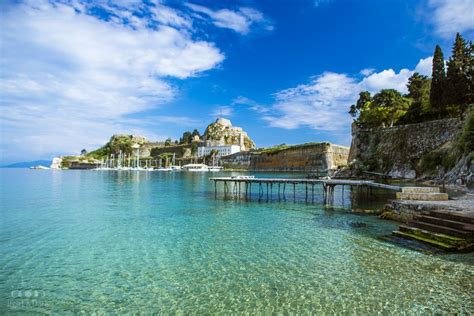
{"points": [[397, 150], [311, 157]]}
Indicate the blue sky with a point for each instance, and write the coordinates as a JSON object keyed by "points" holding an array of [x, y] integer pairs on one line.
{"points": [[75, 72]]}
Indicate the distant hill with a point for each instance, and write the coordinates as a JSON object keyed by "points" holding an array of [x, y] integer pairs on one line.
{"points": [[27, 164]]}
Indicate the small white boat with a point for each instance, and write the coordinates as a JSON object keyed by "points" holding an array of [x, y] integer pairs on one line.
{"points": [[176, 168], [39, 167], [215, 168], [164, 169], [195, 167]]}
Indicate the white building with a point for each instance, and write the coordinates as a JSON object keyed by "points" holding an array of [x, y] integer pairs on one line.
{"points": [[56, 163], [221, 150]]}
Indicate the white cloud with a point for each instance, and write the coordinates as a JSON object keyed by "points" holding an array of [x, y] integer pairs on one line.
{"points": [[389, 79], [252, 104], [425, 66], [223, 110], [323, 103], [367, 71], [320, 104], [70, 79], [239, 21], [451, 16], [166, 15]]}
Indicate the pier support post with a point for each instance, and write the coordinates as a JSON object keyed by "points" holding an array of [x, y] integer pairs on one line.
{"points": [[324, 193], [342, 195], [306, 194]]}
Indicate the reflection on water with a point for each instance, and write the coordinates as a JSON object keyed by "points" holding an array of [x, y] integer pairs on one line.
{"points": [[160, 242]]}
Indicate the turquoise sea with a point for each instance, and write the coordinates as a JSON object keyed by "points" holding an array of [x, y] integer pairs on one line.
{"points": [[146, 242]]}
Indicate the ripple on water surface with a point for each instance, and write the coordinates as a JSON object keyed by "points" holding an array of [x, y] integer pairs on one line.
{"points": [[151, 242]]}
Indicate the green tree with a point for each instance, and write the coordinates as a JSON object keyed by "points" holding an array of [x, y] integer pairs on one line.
{"points": [[168, 142], [419, 93], [186, 139], [465, 141], [457, 77], [438, 81], [419, 88], [384, 109], [362, 103], [470, 74], [196, 133], [388, 106], [194, 147]]}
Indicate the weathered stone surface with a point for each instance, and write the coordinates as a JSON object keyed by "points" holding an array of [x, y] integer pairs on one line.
{"points": [[145, 149], [422, 196], [181, 151], [402, 171], [301, 158], [441, 228], [397, 150], [405, 210], [78, 162], [83, 165], [238, 161], [462, 173], [420, 190]]}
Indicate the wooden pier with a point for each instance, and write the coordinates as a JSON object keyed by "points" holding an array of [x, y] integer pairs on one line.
{"points": [[242, 186]]}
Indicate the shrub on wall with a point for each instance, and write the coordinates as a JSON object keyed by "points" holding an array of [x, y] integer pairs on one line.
{"points": [[465, 141]]}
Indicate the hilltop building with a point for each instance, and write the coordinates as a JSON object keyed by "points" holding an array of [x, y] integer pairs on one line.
{"points": [[224, 139], [220, 150], [222, 133]]}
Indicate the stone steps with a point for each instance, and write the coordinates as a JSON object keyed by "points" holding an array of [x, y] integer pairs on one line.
{"points": [[445, 222], [420, 190], [422, 196], [436, 240], [442, 229], [451, 215]]}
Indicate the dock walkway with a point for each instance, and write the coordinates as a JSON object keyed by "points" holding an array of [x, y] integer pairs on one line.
{"points": [[327, 184]]}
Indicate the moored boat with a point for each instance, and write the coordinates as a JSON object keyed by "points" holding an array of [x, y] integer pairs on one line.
{"points": [[39, 167], [215, 168], [195, 167]]}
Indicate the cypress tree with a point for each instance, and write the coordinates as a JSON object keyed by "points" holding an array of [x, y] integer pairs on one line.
{"points": [[457, 75], [470, 74], [438, 82]]}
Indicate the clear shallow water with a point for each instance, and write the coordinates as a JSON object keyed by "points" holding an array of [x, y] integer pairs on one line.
{"points": [[157, 242]]}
